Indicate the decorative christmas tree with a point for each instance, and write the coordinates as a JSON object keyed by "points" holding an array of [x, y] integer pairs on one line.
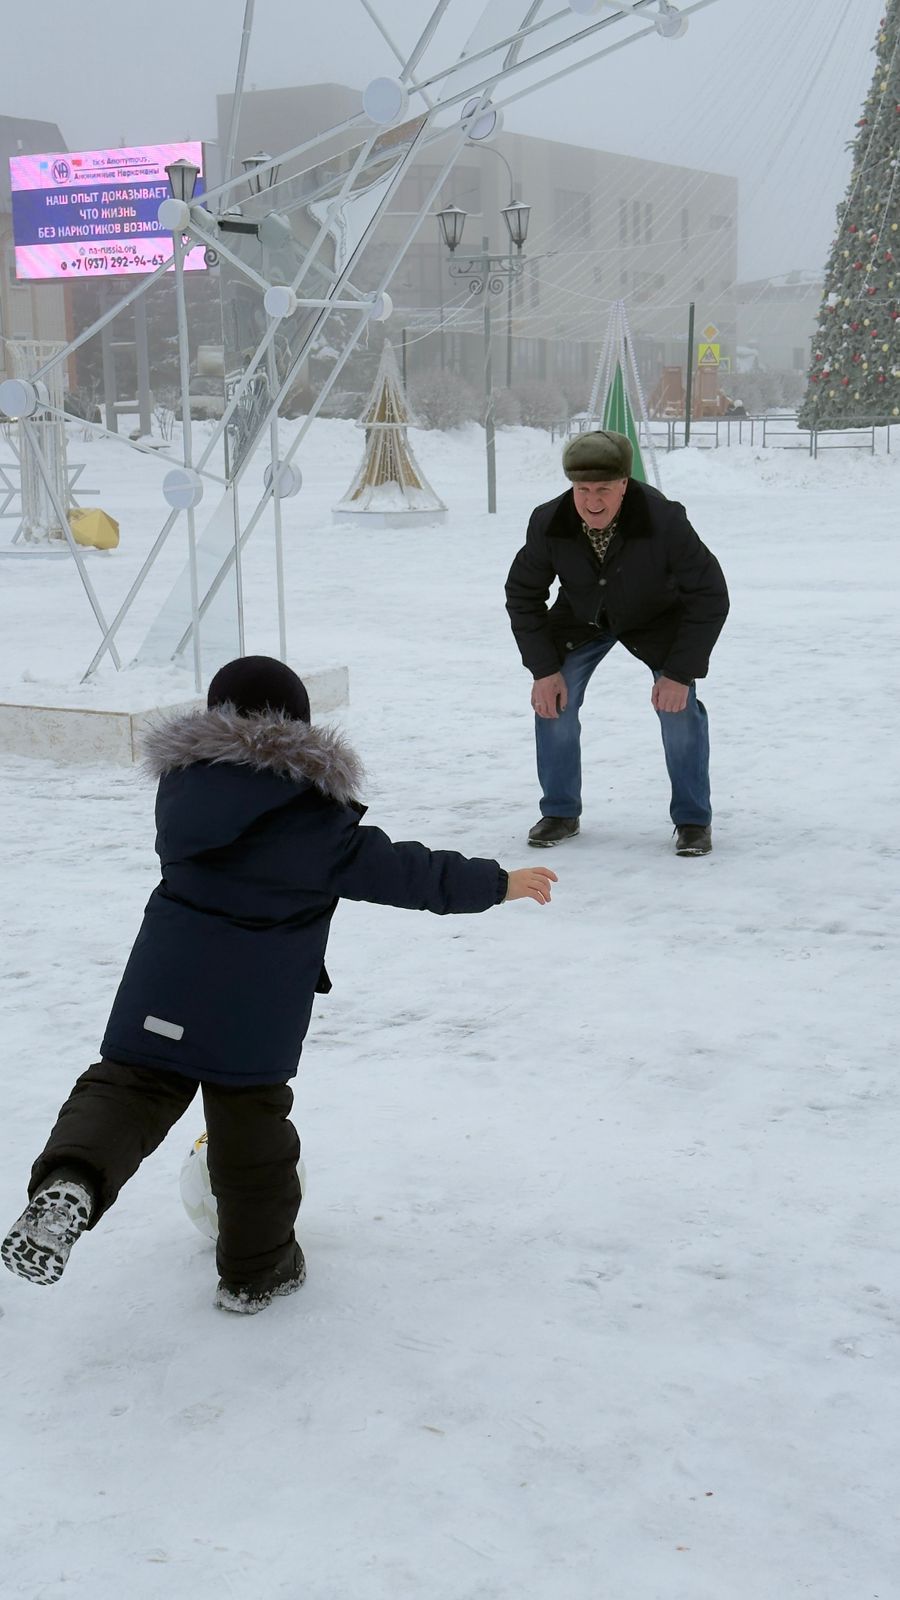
{"points": [[855, 369], [616, 365], [390, 488]]}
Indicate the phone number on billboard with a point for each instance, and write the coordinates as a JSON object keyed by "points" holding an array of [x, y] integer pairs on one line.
{"points": [[110, 263]]}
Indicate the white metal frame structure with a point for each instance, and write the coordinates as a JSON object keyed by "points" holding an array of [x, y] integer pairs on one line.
{"points": [[435, 102]]}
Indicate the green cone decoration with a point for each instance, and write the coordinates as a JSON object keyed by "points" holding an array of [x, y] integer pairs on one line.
{"points": [[618, 416], [854, 374]]}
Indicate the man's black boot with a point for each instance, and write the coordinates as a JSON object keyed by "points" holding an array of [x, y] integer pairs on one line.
{"points": [[692, 840], [553, 830]]}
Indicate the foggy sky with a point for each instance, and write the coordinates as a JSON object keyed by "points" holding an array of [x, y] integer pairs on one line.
{"points": [[767, 90]]}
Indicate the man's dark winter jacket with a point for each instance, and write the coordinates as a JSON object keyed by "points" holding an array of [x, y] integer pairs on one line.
{"points": [[258, 834], [659, 590]]}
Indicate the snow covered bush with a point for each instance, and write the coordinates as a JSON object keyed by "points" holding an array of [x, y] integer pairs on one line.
{"points": [[444, 399], [507, 410], [541, 403], [761, 391]]}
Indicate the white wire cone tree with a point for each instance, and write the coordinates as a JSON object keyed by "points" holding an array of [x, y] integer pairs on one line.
{"points": [[390, 488]]}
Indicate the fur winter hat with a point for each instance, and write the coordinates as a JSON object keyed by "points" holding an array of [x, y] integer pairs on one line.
{"points": [[597, 457], [254, 684]]}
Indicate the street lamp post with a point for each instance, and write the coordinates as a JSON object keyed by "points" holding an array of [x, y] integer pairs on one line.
{"points": [[516, 216], [487, 275], [182, 176]]}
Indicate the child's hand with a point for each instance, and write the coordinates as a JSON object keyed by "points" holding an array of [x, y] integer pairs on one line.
{"points": [[531, 883]]}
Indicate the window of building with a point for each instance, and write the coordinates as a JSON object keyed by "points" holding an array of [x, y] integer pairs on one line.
{"points": [[648, 284], [463, 184], [623, 221], [648, 221], [635, 221], [573, 212], [535, 288], [529, 356]]}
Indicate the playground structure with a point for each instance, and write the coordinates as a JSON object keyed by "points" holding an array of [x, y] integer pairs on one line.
{"points": [[707, 398]]}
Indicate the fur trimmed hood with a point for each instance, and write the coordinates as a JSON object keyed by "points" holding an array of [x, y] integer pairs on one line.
{"points": [[267, 743]]}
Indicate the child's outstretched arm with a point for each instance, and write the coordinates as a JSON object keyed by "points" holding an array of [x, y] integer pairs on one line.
{"points": [[373, 867]]}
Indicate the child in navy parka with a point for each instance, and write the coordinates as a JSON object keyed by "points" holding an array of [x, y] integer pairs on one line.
{"points": [[259, 834]]}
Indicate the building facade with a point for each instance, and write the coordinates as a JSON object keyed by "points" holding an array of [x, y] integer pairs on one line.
{"points": [[603, 227], [776, 320]]}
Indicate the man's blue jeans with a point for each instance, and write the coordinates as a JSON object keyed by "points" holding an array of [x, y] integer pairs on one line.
{"points": [[685, 737]]}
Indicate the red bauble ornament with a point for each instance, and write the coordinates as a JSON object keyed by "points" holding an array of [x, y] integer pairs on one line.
{"points": [[871, 289], [845, 382], [857, 266], [882, 378], [852, 228], [855, 326], [888, 255], [814, 377]]}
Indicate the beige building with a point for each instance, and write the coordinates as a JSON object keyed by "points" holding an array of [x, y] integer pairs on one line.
{"points": [[27, 310], [776, 320], [603, 227]]}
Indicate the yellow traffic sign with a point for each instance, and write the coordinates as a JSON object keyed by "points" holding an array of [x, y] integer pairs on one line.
{"points": [[708, 355], [710, 333]]}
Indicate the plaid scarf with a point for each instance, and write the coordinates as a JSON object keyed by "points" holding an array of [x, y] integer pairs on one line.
{"points": [[601, 538]]}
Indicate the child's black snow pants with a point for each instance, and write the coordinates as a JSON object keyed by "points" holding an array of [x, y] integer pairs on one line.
{"points": [[116, 1115]]}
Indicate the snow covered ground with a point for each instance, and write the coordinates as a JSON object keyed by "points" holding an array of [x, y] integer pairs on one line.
{"points": [[602, 1220]]}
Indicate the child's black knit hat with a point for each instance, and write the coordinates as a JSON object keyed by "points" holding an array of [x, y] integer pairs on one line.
{"points": [[256, 684]]}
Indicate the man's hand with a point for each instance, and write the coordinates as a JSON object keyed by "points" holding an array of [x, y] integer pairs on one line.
{"points": [[531, 883], [667, 695], [549, 696]]}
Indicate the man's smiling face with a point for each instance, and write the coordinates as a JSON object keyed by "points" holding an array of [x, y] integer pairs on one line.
{"points": [[597, 503]]}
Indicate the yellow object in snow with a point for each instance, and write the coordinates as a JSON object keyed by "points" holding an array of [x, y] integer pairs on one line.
{"points": [[94, 527]]}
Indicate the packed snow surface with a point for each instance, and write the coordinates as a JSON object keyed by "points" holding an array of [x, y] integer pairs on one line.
{"points": [[602, 1220]]}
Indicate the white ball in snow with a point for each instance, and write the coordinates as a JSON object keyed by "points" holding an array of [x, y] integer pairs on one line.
{"points": [[196, 1191]]}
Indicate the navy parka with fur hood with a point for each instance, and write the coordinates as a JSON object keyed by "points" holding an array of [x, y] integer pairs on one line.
{"points": [[259, 835]]}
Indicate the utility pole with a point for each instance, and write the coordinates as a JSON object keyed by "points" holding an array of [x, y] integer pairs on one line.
{"points": [[489, 442], [688, 386]]}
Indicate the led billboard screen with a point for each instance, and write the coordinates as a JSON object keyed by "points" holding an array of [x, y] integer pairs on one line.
{"points": [[92, 213]]}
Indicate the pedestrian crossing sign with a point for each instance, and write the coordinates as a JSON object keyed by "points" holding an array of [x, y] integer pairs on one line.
{"points": [[708, 355]]}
